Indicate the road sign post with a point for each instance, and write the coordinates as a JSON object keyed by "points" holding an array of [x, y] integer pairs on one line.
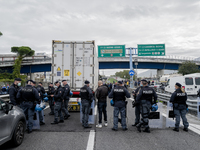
{"points": [[131, 67]]}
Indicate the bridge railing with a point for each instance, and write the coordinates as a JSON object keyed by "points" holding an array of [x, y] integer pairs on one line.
{"points": [[26, 61]]}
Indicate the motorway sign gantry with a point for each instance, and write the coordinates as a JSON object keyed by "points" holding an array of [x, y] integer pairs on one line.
{"points": [[131, 72], [151, 49], [111, 51]]}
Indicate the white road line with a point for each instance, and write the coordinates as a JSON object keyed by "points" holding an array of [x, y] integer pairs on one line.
{"points": [[95, 109], [191, 126], [90, 144], [46, 107]]}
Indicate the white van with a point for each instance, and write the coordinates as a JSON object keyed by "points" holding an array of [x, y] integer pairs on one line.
{"points": [[190, 82]]}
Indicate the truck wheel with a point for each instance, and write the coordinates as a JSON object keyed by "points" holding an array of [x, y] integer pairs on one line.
{"points": [[18, 134]]}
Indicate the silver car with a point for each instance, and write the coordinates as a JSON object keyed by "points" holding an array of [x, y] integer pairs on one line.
{"points": [[12, 123]]}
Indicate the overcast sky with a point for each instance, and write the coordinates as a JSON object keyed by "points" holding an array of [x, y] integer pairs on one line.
{"points": [[35, 23]]}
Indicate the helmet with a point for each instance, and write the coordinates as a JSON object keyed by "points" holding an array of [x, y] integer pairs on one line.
{"points": [[46, 99], [154, 107], [38, 108], [71, 93], [111, 102]]}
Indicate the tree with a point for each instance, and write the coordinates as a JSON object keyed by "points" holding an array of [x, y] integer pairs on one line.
{"points": [[1, 33], [124, 74], [188, 67], [22, 52]]}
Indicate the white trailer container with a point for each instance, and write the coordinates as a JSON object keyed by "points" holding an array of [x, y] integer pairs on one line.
{"points": [[75, 61]]}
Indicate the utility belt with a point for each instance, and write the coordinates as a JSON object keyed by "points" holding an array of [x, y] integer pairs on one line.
{"points": [[27, 101]]}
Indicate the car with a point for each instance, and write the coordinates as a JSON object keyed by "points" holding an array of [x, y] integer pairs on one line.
{"points": [[12, 124]]}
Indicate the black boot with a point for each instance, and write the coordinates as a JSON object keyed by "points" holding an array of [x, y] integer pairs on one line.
{"points": [[139, 127], [135, 124], [176, 129], [55, 122], [146, 130]]}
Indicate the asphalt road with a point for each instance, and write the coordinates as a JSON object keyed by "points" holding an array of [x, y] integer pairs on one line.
{"points": [[70, 135]]}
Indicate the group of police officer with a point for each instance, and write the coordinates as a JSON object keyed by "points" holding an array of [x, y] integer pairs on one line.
{"points": [[145, 98], [145, 101], [29, 96]]}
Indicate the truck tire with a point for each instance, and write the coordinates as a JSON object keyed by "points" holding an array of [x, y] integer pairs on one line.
{"points": [[18, 134]]}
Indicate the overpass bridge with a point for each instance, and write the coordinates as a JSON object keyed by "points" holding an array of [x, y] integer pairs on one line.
{"points": [[43, 63]]}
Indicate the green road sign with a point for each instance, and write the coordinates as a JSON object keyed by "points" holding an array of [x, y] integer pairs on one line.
{"points": [[151, 49], [111, 51]]}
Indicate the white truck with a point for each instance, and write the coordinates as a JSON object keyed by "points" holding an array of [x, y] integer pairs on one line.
{"points": [[75, 61], [190, 82]]}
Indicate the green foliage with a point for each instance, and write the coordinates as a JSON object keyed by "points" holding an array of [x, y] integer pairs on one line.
{"points": [[188, 67], [1, 34], [22, 52], [111, 80], [124, 74]]}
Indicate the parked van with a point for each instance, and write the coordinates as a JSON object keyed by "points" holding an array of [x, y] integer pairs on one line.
{"points": [[190, 82]]}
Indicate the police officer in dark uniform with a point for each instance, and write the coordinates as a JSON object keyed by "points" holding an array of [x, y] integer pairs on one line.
{"points": [[86, 100], [58, 98], [119, 94], [137, 106], [28, 96], [66, 98], [179, 98], [41, 92], [145, 99], [51, 91], [14, 88]]}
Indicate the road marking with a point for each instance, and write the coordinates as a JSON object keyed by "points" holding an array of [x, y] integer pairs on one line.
{"points": [[95, 109], [90, 144], [192, 127], [46, 107]]}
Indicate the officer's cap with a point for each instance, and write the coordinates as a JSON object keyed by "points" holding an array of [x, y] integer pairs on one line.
{"points": [[18, 79], [87, 82], [64, 80], [144, 80], [178, 84], [120, 82], [56, 82], [29, 80], [33, 82], [40, 83]]}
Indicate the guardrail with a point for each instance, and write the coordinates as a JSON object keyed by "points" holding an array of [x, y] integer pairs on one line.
{"points": [[5, 97]]}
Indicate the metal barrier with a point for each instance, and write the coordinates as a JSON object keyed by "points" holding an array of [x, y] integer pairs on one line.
{"points": [[5, 97]]}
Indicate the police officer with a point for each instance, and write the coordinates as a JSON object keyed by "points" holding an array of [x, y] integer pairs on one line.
{"points": [[41, 92], [119, 94], [86, 100], [179, 98], [14, 88], [58, 98], [101, 95], [137, 106], [51, 91], [28, 95], [66, 98], [145, 99]]}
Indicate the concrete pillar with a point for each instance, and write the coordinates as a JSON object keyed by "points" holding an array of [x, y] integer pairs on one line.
{"points": [[32, 76], [160, 72]]}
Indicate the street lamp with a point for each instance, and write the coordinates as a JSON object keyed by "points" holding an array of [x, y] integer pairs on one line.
{"points": [[136, 63]]}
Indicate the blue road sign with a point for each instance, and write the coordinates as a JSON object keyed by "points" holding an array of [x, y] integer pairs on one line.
{"points": [[131, 72]]}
